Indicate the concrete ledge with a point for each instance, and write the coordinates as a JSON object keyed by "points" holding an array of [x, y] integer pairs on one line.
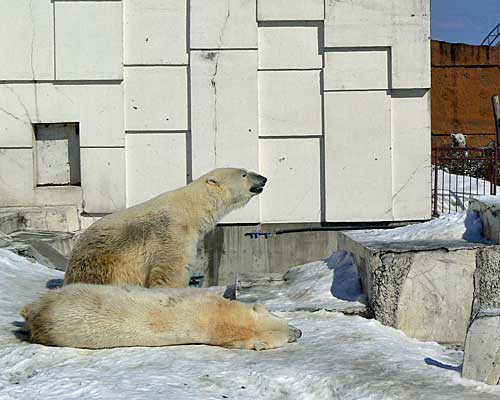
{"points": [[53, 218], [428, 289], [482, 348]]}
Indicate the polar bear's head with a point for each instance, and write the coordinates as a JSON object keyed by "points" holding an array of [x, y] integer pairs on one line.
{"points": [[458, 140], [234, 185], [269, 331]]}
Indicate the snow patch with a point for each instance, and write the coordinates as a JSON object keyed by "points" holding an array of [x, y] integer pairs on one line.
{"points": [[338, 357], [446, 227]]}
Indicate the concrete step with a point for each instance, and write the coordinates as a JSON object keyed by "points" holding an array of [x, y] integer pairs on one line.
{"points": [[50, 218], [431, 290]]}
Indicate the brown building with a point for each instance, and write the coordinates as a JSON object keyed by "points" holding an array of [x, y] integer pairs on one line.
{"points": [[464, 78]]}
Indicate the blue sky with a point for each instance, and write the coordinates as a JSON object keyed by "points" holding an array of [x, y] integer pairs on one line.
{"points": [[463, 21]]}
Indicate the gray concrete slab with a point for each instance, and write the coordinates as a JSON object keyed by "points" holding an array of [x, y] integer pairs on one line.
{"points": [[482, 348], [428, 289]]}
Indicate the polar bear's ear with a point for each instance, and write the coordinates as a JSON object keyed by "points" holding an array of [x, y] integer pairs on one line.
{"points": [[260, 346], [212, 181]]}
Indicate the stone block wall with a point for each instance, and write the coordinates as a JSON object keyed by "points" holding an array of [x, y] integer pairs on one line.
{"points": [[328, 98]]}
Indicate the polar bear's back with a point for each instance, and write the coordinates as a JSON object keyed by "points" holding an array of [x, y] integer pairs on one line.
{"points": [[98, 316]]}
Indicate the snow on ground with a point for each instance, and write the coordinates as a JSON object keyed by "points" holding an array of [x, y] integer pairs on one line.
{"points": [[454, 191], [338, 357], [463, 225], [310, 287]]}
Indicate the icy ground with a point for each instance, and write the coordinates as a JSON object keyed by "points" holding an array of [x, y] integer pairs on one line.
{"points": [[338, 357]]}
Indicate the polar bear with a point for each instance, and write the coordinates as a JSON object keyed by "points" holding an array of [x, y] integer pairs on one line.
{"points": [[152, 243], [100, 316], [458, 140]]}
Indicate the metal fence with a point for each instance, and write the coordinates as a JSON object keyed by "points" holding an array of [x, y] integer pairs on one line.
{"points": [[461, 172]]}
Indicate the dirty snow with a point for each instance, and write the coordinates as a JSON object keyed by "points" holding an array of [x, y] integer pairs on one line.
{"points": [[310, 287], [338, 357], [463, 225], [489, 200]]}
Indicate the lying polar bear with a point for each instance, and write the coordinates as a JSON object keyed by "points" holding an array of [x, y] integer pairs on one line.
{"points": [[99, 316]]}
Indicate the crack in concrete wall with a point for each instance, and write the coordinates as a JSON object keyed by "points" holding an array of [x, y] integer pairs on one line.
{"points": [[213, 81]]}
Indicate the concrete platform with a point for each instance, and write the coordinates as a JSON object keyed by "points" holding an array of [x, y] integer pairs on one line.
{"points": [[431, 290]]}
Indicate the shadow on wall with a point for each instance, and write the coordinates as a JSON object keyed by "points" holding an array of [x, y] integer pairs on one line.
{"points": [[346, 283]]}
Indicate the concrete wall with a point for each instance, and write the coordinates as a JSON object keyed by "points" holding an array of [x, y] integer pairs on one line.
{"points": [[464, 78], [329, 99]]}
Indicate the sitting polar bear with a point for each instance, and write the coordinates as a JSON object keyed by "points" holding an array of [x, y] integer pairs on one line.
{"points": [[151, 244], [98, 316]]}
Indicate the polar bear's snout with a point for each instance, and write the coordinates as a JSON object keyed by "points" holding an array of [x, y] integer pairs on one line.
{"points": [[258, 183], [293, 334]]}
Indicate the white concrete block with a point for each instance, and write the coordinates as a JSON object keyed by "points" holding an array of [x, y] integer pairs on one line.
{"points": [[357, 69], [103, 179], [402, 25], [289, 10], [16, 129], [27, 40], [16, 177], [289, 103], [411, 55], [156, 98], [223, 24], [290, 164], [57, 195], [358, 23], [52, 162], [98, 109], [224, 115], [411, 147], [155, 32], [46, 102], [358, 156], [289, 47], [88, 40], [156, 163], [224, 110]]}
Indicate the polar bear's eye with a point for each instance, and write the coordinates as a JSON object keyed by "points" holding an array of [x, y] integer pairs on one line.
{"points": [[243, 174]]}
